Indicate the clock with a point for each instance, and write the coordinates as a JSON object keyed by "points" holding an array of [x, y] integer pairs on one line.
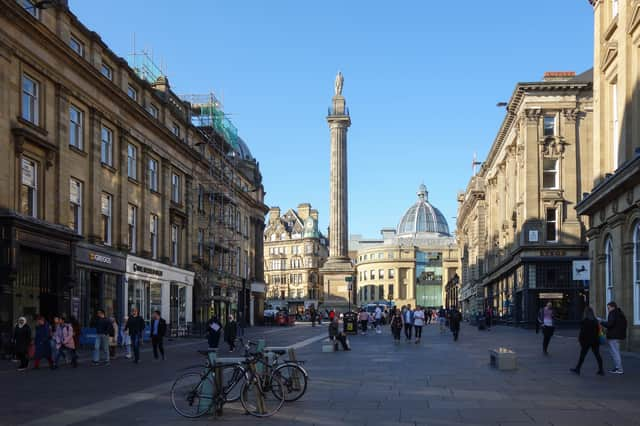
{"points": [[309, 224]]}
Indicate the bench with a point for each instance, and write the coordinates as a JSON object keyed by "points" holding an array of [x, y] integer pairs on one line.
{"points": [[503, 359]]}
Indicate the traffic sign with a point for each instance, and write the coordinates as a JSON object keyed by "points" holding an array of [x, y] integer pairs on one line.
{"points": [[348, 279]]}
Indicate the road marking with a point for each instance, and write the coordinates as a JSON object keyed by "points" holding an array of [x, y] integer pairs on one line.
{"points": [[68, 417], [309, 341]]}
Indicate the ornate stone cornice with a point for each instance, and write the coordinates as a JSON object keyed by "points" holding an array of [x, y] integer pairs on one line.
{"points": [[532, 115]]}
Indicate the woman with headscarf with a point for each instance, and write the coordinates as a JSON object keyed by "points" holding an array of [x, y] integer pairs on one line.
{"points": [[42, 343], [22, 340]]}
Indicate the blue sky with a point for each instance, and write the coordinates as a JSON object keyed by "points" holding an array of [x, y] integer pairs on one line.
{"points": [[421, 80]]}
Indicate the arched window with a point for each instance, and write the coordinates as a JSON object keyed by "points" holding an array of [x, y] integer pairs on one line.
{"points": [[636, 273], [608, 270]]}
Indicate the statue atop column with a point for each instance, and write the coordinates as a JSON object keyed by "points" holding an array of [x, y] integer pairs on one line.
{"points": [[338, 84]]}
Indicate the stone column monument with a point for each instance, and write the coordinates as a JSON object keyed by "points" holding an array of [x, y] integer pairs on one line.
{"points": [[338, 266]]}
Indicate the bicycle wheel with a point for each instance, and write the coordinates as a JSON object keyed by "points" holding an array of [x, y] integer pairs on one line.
{"points": [[294, 378], [233, 378], [192, 395], [258, 401]]}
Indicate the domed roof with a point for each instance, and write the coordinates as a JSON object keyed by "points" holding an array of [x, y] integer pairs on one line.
{"points": [[240, 149], [422, 217]]}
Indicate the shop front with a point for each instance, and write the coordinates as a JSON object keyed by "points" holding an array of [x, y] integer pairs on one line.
{"points": [[153, 286], [99, 283]]}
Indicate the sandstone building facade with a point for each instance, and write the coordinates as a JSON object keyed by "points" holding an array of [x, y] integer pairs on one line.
{"points": [[613, 205], [111, 188], [517, 229]]}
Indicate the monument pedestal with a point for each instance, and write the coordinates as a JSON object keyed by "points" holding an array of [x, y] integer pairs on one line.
{"points": [[335, 285]]}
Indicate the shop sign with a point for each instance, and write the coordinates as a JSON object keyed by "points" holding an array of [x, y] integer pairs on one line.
{"points": [[581, 270], [553, 252], [146, 270], [95, 257], [550, 296]]}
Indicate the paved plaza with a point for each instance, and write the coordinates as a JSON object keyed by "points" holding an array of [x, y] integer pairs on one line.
{"points": [[438, 382]]}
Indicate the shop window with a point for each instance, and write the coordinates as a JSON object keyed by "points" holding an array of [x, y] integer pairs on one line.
{"points": [[155, 299], [552, 224], [139, 297], [106, 146], [30, 99], [75, 204], [608, 270], [153, 234], [175, 248], [106, 215], [153, 175], [132, 220], [76, 45], [29, 188], [132, 161], [76, 124], [550, 173], [636, 273]]}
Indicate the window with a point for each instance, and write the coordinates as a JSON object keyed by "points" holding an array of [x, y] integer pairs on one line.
{"points": [[153, 233], [390, 292], [175, 188], [106, 146], [372, 274], [29, 6], [75, 127], [76, 45], [392, 273], [175, 129], [153, 175], [614, 8], [132, 92], [106, 204], [549, 125], [615, 124], [608, 270], [75, 206], [550, 173], [174, 244], [200, 198], [381, 274], [132, 220], [153, 110], [200, 243], [106, 71], [30, 99], [636, 273], [552, 224], [381, 292], [132, 161], [29, 188]]}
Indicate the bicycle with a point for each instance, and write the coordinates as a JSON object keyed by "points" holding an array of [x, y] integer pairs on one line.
{"points": [[198, 391], [292, 374]]}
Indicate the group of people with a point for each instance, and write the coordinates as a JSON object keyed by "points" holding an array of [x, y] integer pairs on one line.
{"points": [[215, 330], [61, 339], [592, 335]]}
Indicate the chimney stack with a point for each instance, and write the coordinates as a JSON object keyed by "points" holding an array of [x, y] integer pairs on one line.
{"points": [[558, 75]]}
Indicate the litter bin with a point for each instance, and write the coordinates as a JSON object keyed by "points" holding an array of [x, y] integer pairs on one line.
{"points": [[350, 323]]}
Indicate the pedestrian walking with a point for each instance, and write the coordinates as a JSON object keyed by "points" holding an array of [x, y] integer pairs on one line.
{"points": [[312, 315], [616, 325], [21, 340], [113, 337], [230, 333], [42, 343], [442, 320], [135, 326], [488, 318], [378, 317], [126, 339], [65, 343], [418, 322], [548, 326], [335, 335], [332, 315], [397, 324], [101, 346], [408, 322], [213, 332], [589, 339], [52, 342], [428, 315], [455, 319], [75, 326], [363, 320], [158, 331]]}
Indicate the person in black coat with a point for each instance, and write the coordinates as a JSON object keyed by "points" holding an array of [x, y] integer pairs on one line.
{"points": [[616, 325], [454, 323], [135, 326], [213, 332], [21, 341], [230, 333], [158, 331], [589, 339]]}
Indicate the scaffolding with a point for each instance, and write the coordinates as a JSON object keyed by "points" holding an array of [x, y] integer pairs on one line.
{"points": [[144, 66]]}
